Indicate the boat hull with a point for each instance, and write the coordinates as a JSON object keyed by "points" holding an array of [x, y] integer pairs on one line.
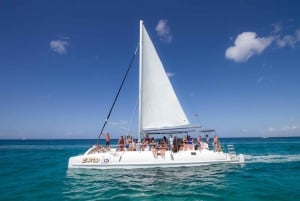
{"points": [[147, 159]]}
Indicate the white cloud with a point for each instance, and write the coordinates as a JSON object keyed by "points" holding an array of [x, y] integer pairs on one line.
{"points": [[59, 46], [246, 45], [289, 40], [163, 31], [288, 130]]}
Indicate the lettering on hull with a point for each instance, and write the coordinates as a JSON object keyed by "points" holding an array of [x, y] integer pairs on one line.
{"points": [[95, 160]]}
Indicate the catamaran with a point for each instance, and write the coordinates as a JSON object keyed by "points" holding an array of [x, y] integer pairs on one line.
{"points": [[160, 112]]}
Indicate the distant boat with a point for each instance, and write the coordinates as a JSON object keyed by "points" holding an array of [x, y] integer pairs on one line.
{"points": [[160, 113]]}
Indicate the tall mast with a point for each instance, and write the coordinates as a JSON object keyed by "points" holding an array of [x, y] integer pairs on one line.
{"points": [[140, 78]]}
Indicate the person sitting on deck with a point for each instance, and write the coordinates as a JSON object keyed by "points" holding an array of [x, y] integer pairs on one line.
{"points": [[97, 149], [121, 143]]}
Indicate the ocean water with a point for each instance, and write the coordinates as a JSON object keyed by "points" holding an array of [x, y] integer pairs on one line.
{"points": [[37, 170]]}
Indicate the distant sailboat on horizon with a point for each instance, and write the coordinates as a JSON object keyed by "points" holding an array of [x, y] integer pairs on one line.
{"points": [[160, 112]]}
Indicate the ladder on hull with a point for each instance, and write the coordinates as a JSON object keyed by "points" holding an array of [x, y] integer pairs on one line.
{"points": [[231, 152]]}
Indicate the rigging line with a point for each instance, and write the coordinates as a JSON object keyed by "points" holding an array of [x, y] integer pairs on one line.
{"points": [[116, 97], [132, 117]]}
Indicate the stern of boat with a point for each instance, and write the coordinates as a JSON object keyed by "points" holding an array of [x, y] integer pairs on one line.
{"points": [[241, 158]]}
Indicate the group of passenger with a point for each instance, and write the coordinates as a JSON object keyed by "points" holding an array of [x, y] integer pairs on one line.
{"points": [[173, 143], [127, 143], [160, 146], [186, 143], [157, 148]]}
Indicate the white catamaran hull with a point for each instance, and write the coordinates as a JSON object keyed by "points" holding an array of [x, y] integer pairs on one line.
{"points": [[144, 159]]}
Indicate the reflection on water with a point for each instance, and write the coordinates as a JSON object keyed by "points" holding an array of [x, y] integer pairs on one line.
{"points": [[175, 183]]}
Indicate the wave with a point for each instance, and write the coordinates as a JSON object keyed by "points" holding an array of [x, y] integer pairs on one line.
{"points": [[272, 158]]}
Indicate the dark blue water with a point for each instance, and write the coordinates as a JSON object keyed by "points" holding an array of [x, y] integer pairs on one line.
{"points": [[37, 170]]}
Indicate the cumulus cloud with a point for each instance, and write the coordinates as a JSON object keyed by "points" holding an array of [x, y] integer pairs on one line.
{"points": [[163, 31], [59, 46], [289, 40], [246, 45]]}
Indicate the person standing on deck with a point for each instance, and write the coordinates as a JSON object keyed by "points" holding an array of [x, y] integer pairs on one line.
{"points": [[189, 142], [207, 139], [216, 143], [199, 141], [107, 140]]}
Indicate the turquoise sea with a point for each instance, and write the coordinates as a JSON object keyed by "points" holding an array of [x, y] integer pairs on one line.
{"points": [[33, 170]]}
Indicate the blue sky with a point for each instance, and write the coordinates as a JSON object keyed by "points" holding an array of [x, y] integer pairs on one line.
{"points": [[234, 63]]}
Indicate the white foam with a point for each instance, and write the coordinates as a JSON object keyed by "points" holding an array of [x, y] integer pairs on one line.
{"points": [[272, 158]]}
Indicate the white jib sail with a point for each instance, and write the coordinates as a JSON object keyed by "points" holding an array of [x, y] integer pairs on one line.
{"points": [[159, 106]]}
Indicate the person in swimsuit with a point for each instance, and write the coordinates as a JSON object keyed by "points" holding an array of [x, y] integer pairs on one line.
{"points": [[121, 143], [107, 140], [215, 143]]}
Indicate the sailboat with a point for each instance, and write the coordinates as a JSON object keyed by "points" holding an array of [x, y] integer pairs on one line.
{"points": [[160, 112]]}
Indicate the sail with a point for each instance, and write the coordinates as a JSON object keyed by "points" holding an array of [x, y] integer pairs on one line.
{"points": [[159, 106]]}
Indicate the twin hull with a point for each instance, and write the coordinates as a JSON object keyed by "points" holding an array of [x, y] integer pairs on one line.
{"points": [[145, 159]]}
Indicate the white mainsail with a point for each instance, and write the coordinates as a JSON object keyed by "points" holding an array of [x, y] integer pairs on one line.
{"points": [[159, 106]]}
